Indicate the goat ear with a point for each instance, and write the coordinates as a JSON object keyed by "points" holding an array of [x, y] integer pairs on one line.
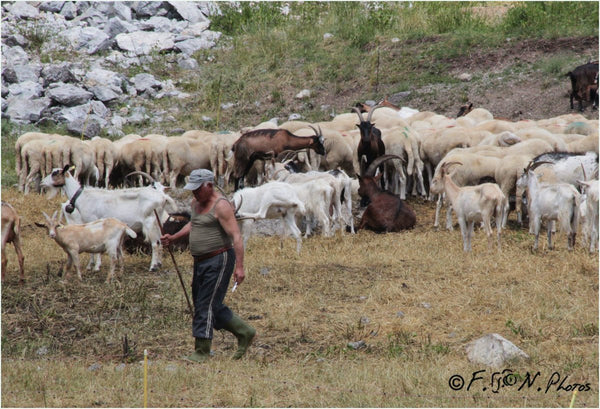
{"points": [[66, 168]]}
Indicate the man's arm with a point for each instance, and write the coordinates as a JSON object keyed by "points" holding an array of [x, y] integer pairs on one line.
{"points": [[225, 215], [167, 239]]}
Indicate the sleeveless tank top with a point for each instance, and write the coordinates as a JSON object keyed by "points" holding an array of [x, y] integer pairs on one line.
{"points": [[207, 234]]}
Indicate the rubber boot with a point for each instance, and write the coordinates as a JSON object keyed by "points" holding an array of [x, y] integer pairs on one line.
{"points": [[243, 332], [202, 350]]}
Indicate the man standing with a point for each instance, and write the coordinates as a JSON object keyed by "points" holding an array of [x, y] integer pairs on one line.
{"points": [[218, 251]]}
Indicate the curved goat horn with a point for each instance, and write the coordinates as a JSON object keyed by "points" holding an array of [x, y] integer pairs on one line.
{"points": [[373, 110], [378, 161], [139, 172], [317, 133], [533, 165], [237, 209], [355, 109]]}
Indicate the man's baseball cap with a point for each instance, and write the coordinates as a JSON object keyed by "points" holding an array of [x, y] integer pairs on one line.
{"points": [[198, 177]]}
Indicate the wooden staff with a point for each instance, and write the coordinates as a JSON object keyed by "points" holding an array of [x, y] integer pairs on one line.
{"points": [[176, 268]]}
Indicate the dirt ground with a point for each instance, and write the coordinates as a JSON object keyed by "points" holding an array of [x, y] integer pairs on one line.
{"points": [[532, 94]]}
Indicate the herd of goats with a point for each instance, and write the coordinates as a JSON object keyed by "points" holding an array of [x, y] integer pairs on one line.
{"points": [[312, 173]]}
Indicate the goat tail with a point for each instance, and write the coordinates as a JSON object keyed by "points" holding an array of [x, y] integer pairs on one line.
{"points": [[130, 232]]}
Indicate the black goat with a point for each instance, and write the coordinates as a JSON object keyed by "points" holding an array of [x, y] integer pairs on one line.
{"points": [[465, 109], [370, 145], [584, 84], [386, 212]]}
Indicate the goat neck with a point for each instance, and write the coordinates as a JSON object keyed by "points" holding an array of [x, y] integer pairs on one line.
{"points": [[71, 185]]}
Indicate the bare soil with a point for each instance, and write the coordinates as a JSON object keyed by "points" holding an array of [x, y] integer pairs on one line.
{"points": [[531, 94]]}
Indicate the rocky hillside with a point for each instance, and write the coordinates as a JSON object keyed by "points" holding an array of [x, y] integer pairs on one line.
{"points": [[110, 68], [63, 62]]}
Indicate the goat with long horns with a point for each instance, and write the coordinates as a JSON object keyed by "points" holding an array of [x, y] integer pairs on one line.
{"points": [[386, 212]]}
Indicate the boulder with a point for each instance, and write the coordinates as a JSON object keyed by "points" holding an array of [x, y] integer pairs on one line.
{"points": [[493, 350], [87, 39], [145, 9], [14, 56], [69, 10], [51, 6], [22, 73], [188, 11], [68, 94], [189, 47], [23, 10], [29, 89], [101, 77], [145, 82], [25, 110], [116, 26], [143, 42], [57, 73]]}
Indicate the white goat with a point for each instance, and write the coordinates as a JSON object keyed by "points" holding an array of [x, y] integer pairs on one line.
{"points": [[550, 202], [272, 200], [474, 204], [100, 236], [134, 206]]}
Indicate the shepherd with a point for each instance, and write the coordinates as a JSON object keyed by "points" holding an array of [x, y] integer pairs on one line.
{"points": [[215, 243]]}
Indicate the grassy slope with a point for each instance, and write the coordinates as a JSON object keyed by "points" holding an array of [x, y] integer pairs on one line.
{"points": [[339, 290]]}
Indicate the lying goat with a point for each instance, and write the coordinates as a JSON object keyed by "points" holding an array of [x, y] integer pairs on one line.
{"points": [[386, 211], [11, 233], [550, 202], [473, 204], [100, 236]]}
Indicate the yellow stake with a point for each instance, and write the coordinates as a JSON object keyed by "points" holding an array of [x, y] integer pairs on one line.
{"points": [[573, 398], [145, 378]]}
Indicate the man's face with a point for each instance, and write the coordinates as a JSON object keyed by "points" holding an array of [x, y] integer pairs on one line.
{"points": [[203, 192]]}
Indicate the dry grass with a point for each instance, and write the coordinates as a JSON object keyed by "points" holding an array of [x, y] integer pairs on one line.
{"points": [[306, 309]]}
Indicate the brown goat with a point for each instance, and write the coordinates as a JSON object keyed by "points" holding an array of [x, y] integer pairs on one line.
{"points": [[11, 232], [267, 143], [386, 212], [384, 103]]}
